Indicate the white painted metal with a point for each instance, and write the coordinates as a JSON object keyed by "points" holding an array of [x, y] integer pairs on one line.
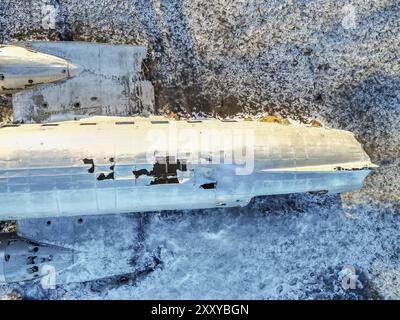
{"points": [[21, 68], [76, 79], [42, 169]]}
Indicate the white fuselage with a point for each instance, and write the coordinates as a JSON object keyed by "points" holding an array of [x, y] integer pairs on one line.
{"points": [[119, 165]]}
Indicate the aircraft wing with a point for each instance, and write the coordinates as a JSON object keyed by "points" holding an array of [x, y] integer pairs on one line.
{"points": [[108, 83]]}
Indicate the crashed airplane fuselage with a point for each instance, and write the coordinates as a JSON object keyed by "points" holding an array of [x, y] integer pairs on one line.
{"points": [[105, 165]]}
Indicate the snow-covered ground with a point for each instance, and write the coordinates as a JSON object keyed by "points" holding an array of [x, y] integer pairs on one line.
{"points": [[335, 60]]}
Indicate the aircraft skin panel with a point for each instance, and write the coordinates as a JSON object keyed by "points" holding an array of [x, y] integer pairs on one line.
{"points": [[115, 199], [95, 56], [21, 68], [105, 165], [90, 239], [68, 142], [52, 81]]}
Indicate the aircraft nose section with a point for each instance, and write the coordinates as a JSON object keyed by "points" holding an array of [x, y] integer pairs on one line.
{"points": [[74, 70], [22, 259], [21, 68]]}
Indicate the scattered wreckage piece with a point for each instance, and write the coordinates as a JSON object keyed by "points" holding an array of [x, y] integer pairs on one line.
{"points": [[65, 80], [60, 250], [22, 259]]}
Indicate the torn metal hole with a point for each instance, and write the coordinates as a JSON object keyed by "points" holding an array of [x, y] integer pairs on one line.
{"points": [[77, 104], [43, 260], [31, 260], [211, 185], [102, 176], [45, 105], [164, 181], [91, 162], [1, 76], [80, 220], [30, 81], [164, 170], [7, 257], [138, 173], [34, 269]]}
